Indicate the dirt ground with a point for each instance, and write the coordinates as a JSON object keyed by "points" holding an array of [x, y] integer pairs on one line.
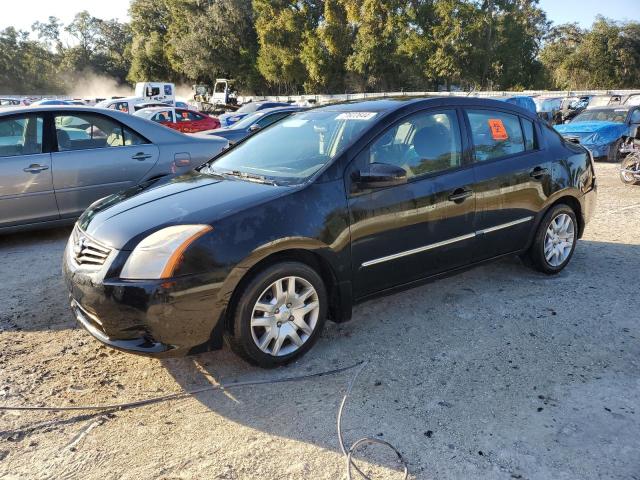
{"points": [[500, 373]]}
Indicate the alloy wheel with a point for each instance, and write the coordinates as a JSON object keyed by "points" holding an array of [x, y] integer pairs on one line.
{"points": [[558, 240], [285, 316]]}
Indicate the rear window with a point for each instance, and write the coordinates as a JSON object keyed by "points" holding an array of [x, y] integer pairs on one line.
{"points": [[495, 134]]}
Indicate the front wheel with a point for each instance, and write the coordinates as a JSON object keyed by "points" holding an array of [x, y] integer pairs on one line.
{"points": [[630, 170], [555, 240], [279, 315], [614, 151]]}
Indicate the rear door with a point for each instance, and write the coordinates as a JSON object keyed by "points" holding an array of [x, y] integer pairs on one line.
{"points": [[26, 187], [513, 179], [96, 156]]}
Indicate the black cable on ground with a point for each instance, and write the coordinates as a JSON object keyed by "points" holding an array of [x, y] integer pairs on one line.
{"points": [[348, 453], [183, 394]]}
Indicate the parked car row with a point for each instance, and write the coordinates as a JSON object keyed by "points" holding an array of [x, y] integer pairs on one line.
{"points": [[56, 160], [322, 209]]}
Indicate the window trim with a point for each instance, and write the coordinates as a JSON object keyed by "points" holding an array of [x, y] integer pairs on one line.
{"points": [[505, 157], [54, 148], [536, 139], [464, 146]]}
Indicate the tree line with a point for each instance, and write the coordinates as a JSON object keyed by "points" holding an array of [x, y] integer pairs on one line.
{"points": [[326, 46]]}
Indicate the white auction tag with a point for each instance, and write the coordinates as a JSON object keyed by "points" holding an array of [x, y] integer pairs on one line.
{"points": [[356, 116]]}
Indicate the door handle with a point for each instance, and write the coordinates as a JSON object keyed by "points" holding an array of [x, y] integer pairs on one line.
{"points": [[539, 172], [35, 168], [141, 156], [459, 195]]}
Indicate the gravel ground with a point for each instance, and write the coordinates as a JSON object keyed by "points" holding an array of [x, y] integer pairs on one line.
{"points": [[496, 373]]}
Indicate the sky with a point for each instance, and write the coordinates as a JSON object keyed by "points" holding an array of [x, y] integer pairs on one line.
{"points": [[22, 13]]}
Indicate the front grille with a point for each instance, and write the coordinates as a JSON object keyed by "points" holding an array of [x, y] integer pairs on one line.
{"points": [[88, 251]]}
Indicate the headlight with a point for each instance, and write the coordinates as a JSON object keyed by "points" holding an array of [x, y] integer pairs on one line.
{"points": [[158, 255]]}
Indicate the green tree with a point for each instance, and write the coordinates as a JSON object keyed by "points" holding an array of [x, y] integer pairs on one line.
{"points": [[219, 42], [326, 48], [374, 61], [150, 22], [280, 26]]}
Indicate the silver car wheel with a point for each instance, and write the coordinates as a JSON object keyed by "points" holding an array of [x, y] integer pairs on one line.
{"points": [[558, 240], [285, 316]]}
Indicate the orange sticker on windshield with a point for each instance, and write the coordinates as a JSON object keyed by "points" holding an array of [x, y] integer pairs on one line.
{"points": [[498, 132]]}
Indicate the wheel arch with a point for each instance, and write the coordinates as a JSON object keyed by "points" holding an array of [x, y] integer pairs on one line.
{"points": [[339, 292], [572, 202]]}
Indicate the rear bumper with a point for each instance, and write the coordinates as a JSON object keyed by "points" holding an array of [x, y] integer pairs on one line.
{"points": [[588, 204], [156, 318]]}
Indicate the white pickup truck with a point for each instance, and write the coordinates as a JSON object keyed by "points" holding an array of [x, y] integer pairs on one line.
{"points": [[145, 92]]}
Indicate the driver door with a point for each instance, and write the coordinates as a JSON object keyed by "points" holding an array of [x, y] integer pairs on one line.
{"points": [[407, 232]]}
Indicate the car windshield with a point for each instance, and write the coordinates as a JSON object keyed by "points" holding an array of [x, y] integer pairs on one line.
{"points": [[617, 115], [291, 151], [249, 120], [248, 108], [548, 104]]}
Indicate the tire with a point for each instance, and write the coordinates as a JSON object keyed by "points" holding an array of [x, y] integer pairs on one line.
{"points": [[614, 151], [272, 329], [631, 162], [547, 239]]}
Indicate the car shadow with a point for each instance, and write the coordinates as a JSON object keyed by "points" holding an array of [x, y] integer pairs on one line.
{"points": [[451, 364], [417, 344]]}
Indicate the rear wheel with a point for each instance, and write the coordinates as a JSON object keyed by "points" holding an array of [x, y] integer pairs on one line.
{"points": [[279, 315], [555, 240], [629, 165]]}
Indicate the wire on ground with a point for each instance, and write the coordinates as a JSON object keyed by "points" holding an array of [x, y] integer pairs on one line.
{"points": [[348, 453]]}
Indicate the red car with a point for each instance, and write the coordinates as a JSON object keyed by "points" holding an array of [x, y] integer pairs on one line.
{"points": [[186, 121]]}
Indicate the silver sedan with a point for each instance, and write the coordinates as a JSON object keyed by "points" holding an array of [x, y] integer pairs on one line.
{"points": [[57, 160]]}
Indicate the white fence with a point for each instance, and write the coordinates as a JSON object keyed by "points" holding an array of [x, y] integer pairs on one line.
{"points": [[321, 99]]}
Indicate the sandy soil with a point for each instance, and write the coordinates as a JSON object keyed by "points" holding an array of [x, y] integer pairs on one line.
{"points": [[496, 373]]}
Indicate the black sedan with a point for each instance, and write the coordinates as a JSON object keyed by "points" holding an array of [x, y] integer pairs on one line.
{"points": [[320, 211]]}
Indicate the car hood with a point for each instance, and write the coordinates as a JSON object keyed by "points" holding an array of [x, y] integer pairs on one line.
{"points": [[596, 133], [123, 219]]}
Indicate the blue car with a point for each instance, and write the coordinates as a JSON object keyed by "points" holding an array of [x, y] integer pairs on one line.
{"points": [[51, 101], [603, 130], [522, 101], [228, 119]]}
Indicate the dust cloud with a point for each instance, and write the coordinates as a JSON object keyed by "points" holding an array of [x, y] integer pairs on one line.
{"points": [[88, 84]]}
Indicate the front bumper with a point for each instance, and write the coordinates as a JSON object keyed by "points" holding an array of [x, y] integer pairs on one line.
{"points": [[158, 318]]}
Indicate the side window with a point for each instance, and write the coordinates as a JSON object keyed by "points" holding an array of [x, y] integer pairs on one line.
{"points": [[82, 131], [635, 116], [269, 119], [132, 138], [495, 134], [183, 116], [20, 135], [193, 116], [422, 144], [530, 139], [123, 107]]}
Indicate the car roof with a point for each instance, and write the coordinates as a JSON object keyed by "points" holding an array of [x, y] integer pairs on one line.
{"points": [[392, 104], [611, 107]]}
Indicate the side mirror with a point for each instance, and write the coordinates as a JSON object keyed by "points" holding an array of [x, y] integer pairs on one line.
{"points": [[255, 127], [381, 175]]}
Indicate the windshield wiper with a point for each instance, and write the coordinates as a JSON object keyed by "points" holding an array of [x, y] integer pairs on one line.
{"points": [[250, 177]]}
